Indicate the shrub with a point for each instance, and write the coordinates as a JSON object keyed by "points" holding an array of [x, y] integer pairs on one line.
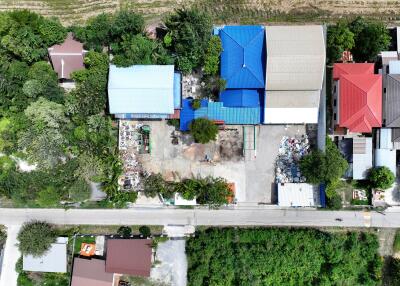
{"points": [[211, 62], [196, 103], [36, 237], [203, 130], [145, 231], [381, 178], [125, 231]]}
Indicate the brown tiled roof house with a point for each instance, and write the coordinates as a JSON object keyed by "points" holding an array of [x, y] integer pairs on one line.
{"points": [[129, 256], [90, 272], [67, 57]]}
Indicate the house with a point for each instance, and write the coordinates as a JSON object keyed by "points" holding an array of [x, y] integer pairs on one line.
{"points": [[242, 57], [357, 97], [129, 256], [295, 70], [298, 195], [385, 154], [143, 91], [90, 272], [54, 260], [67, 57]]}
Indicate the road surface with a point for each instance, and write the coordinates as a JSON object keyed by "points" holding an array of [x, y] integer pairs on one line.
{"points": [[240, 217], [257, 216]]}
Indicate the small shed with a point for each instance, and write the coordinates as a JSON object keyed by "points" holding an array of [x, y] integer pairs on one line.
{"points": [[67, 57], [298, 195], [129, 256], [54, 260]]}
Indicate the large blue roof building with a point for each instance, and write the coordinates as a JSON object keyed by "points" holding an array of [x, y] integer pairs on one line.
{"points": [[243, 56]]}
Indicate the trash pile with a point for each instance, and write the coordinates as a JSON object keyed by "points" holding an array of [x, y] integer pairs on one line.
{"points": [[129, 135], [190, 86], [291, 150]]}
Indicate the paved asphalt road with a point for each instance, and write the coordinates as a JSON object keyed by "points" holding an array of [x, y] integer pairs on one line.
{"points": [[159, 216], [257, 216]]}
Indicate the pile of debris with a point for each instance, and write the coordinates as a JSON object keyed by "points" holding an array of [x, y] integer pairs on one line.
{"points": [[129, 136], [191, 86], [291, 150]]}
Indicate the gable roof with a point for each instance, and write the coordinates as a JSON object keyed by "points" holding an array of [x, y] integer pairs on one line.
{"points": [[54, 260], [240, 98], [141, 89], [340, 69], [67, 57], [90, 272], [360, 104], [242, 64], [129, 256], [392, 101], [295, 57]]}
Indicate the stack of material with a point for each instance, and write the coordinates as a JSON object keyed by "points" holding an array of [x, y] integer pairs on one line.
{"points": [[191, 86], [291, 150]]}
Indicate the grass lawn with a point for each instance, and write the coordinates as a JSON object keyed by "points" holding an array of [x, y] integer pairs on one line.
{"points": [[79, 240]]}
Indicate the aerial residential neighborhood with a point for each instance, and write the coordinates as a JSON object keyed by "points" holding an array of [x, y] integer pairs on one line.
{"points": [[210, 143]]}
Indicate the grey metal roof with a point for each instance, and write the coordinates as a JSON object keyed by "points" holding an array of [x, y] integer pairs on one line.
{"points": [[392, 101], [362, 157], [54, 260], [295, 57]]}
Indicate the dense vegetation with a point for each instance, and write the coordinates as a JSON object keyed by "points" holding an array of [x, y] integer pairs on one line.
{"points": [[208, 191], [364, 38], [203, 130], [381, 178], [282, 257], [36, 237]]}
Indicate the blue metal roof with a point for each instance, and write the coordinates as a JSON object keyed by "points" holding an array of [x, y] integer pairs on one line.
{"points": [[177, 90], [240, 98], [217, 111], [141, 89], [243, 56]]}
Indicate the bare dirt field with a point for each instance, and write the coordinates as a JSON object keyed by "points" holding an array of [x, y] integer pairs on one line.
{"points": [[223, 11]]}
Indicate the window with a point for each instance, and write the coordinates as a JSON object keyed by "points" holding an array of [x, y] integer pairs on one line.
{"points": [[384, 90], [334, 89], [334, 116], [334, 102]]}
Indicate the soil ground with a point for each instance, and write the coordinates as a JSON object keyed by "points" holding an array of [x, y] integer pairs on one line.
{"points": [[223, 11]]}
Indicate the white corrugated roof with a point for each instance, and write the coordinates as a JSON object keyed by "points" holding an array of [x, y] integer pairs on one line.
{"points": [[394, 67], [295, 57], [294, 106], [54, 260], [141, 89], [386, 158], [362, 157], [298, 195]]}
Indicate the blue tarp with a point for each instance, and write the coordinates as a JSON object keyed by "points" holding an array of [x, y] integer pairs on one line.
{"points": [[177, 90], [217, 111], [243, 56], [240, 98]]}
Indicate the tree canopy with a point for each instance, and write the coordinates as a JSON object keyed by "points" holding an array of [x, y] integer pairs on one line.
{"points": [[339, 39], [188, 37], [281, 256], [319, 167], [381, 178], [36, 237], [370, 38], [203, 130]]}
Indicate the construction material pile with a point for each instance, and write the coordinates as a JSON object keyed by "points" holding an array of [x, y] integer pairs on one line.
{"points": [[129, 135], [291, 150]]}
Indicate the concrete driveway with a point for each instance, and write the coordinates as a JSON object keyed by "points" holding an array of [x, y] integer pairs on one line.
{"points": [[260, 173], [11, 255]]}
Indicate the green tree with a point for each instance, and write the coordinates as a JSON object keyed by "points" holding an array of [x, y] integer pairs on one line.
{"points": [[203, 130], [381, 178], [79, 190], [97, 32], [370, 38], [213, 192], [48, 197], [190, 32], [36, 237], [339, 39], [44, 141], [125, 231], [326, 167], [211, 62], [145, 231], [154, 185], [126, 23]]}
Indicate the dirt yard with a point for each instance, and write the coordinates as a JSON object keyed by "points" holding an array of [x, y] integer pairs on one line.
{"points": [[223, 11]]}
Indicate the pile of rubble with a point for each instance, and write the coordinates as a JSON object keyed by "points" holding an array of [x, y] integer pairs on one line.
{"points": [[191, 86], [129, 135], [291, 150]]}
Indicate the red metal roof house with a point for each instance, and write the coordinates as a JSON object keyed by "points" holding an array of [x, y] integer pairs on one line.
{"points": [[67, 57], [359, 97]]}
